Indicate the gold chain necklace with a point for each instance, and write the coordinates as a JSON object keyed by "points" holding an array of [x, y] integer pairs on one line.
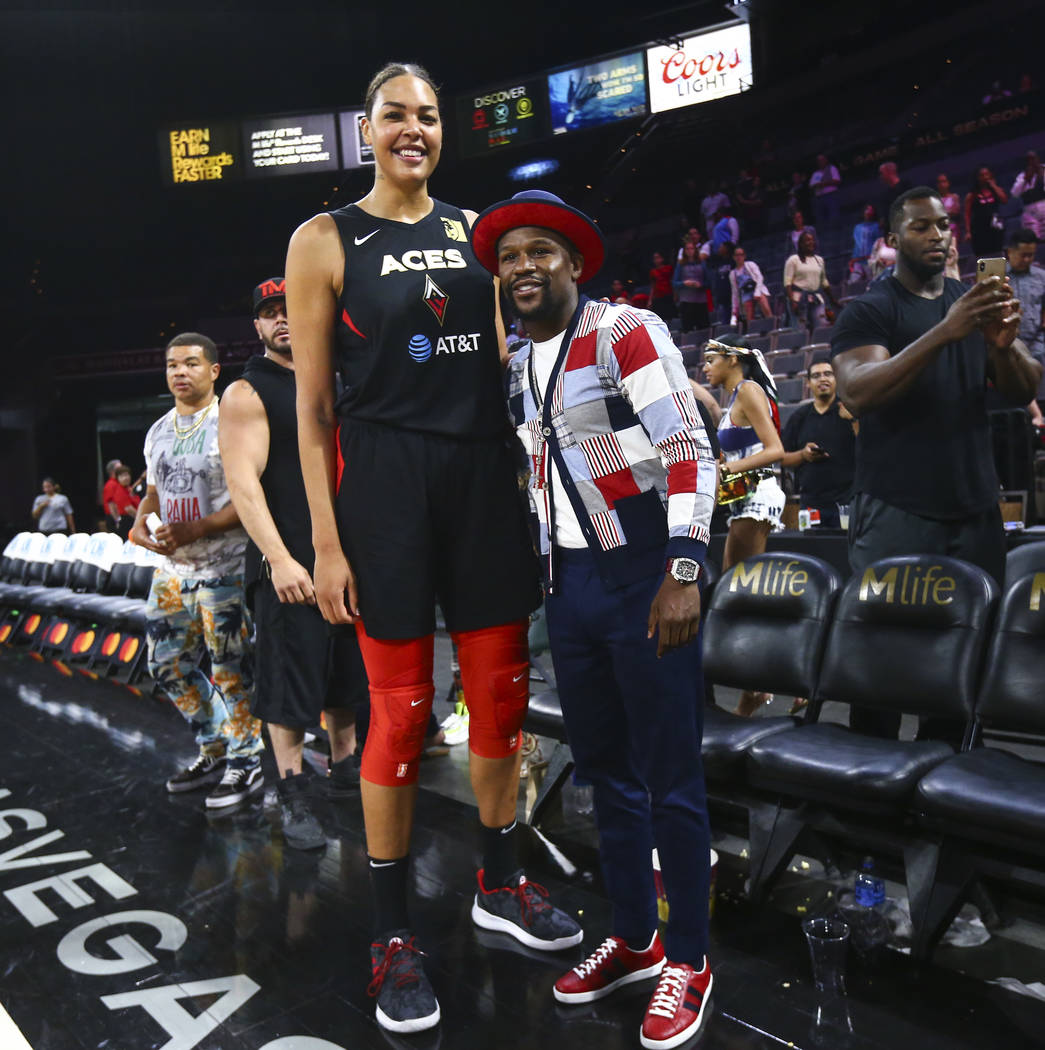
{"points": [[195, 426]]}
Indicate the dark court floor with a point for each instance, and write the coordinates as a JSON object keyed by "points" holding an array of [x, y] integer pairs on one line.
{"points": [[193, 932]]}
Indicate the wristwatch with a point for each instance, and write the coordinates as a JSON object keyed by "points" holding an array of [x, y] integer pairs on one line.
{"points": [[684, 570]]}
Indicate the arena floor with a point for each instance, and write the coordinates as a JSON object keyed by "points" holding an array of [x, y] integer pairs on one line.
{"points": [[246, 944]]}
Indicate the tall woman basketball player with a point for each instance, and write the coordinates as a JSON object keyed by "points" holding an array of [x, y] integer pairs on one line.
{"points": [[420, 505]]}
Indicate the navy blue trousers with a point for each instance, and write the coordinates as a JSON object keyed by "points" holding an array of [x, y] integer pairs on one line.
{"points": [[634, 724]]}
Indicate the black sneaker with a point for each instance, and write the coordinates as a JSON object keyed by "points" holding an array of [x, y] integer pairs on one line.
{"points": [[343, 779], [207, 769], [405, 1000], [521, 909], [236, 785], [300, 827]]}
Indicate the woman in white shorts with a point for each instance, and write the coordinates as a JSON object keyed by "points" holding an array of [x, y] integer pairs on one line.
{"points": [[749, 436]]}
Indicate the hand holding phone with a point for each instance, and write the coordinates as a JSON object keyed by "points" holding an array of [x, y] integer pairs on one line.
{"points": [[987, 268]]}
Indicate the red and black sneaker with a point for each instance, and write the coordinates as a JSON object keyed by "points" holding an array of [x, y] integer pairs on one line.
{"points": [[611, 966], [522, 910], [678, 1007], [405, 1000]]}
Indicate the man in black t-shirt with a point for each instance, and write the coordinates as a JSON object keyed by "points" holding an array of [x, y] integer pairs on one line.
{"points": [[819, 441], [912, 357]]}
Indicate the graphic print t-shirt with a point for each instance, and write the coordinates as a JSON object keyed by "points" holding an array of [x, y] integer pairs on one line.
{"points": [[190, 482]]}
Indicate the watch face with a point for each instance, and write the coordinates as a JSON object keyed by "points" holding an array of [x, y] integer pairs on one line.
{"points": [[685, 570]]}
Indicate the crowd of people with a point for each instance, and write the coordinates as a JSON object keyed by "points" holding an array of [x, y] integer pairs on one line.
{"points": [[310, 526]]}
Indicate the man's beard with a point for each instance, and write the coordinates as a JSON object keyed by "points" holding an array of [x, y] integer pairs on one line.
{"points": [[924, 271], [276, 348], [546, 308]]}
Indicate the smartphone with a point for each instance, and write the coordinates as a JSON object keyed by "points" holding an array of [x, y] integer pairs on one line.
{"points": [[153, 522], [986, 268]]}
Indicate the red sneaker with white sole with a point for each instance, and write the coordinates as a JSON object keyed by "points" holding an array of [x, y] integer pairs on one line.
{"points": [[678, 1007], [611, 966]]}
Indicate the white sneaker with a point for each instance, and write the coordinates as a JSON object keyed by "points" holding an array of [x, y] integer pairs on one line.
{"points": [[455, 728]]}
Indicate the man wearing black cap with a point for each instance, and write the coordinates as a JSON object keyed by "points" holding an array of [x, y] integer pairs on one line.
{"points": [[622, 486], [303, 665]]}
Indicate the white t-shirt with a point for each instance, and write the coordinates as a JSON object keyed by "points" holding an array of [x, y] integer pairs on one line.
{"points": [[52, 518], [567, 527], [189, 479]]}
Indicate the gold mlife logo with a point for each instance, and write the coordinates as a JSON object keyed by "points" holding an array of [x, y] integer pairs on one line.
{"points": [[914, 585], [770, 579], [454, 229], [1037, 591]]}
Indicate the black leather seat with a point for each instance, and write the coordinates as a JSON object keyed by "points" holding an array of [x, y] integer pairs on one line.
{"points": [[908, 635], [764, 630], [1027, 558], [988, 793]]}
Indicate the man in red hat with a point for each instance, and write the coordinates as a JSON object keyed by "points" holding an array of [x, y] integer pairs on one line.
{"points": [[622, 485]]}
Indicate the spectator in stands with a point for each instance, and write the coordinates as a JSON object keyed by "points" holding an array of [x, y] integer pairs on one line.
{"points": [[806, 285], [820, 446], [996, 93], [883, 256], [1030, 188], [983, 225], [125, 504], [619, 291], [691, 284], [110, 490], [722, 289], [892, 185], [799, 198], [752, 203], [692, 235], [865, 234], [951, 268], [906, 353], [824, 183], [1028, 285], [747, 286], [52, 510], [726, 229], [951, 202], [661, 294], [749, 437], [798, 227], [711, 205]]}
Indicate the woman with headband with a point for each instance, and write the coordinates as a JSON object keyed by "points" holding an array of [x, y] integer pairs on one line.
{"points": [[749, 436]]}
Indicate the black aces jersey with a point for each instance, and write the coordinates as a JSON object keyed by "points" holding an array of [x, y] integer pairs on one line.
{"points": [[415, 336]]}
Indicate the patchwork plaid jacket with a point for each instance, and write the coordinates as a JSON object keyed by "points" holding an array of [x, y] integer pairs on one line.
{"points": [[634, 457]]}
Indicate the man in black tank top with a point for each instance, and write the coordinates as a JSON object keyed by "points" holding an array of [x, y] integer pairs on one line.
{"points": [[303, 664]]}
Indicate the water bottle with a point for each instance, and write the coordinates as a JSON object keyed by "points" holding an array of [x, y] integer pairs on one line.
{"points": [[868, 888], [869, 928]]}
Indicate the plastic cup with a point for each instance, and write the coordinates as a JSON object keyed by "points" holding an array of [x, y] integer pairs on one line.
{"points": [[828, 941], [843, 515]]}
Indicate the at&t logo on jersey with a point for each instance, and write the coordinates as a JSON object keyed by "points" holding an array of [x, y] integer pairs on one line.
{"points": [[420, 346], [430, 259]]}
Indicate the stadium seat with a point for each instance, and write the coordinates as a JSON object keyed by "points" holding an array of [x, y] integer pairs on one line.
{"points": [[788, 339], [822, 334], [986, 804], [1028, 557], [760, 325], [790, 391], [784, 363], [908, 636]]}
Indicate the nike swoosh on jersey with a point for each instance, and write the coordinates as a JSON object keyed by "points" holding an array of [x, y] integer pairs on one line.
{"points": [[518, 676], [361, 240], [414, 703]]}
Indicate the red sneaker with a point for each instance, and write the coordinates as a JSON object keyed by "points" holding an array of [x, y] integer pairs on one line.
{"points": [[612, 965], [677, 1009]]}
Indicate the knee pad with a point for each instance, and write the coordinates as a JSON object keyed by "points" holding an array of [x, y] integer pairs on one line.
{"points": [[495, 672], [396, 737]]}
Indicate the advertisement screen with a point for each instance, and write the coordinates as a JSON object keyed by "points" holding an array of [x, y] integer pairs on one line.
{"points": [[599, 93], [503, 116], [290, 145], [355, 153], [200, 151], [706, 67]]}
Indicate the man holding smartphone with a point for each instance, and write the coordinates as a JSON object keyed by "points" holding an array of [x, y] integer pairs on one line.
{"points": [[912, 357], [820, 442]]}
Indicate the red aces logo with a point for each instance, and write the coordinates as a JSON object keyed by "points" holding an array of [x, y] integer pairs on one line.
{"points": [[435, 298]]}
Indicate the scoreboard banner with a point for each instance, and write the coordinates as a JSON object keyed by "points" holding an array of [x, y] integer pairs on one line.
{"points": [[289, 145], [597, 93], [510, 114], [200, 152], [355, 153], [706, 67]]}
